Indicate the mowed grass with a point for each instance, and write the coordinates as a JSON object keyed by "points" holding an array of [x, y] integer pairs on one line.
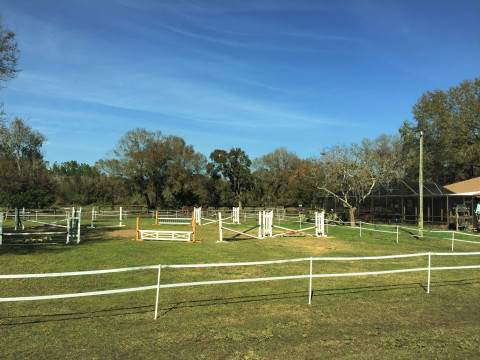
{"points": [[366, 317]]}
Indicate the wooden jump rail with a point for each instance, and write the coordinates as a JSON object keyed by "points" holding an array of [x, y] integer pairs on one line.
{"points": [[168, 235], [172, 220]]}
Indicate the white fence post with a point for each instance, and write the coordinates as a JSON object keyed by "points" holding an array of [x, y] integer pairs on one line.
{"points": [[158, 291], [453, 238], [360, 228], [1, 227], [310, 288], [429, 265], [93, 217], [397, 234]]}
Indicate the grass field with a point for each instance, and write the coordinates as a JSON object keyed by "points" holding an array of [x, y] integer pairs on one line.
{"points": [[363, 317]]}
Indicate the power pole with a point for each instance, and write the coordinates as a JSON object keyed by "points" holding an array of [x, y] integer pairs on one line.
{"points": [[420, 187]]}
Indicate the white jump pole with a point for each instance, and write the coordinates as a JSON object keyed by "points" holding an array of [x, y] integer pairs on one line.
{"points": [[69, 220], [79, 215], [198, 215], [259, 224], [269, 223], [121, 210], [93, 217], [220, 226], [264, 214], [322, 223], [319, 223], [158, 291], [236, 215]]}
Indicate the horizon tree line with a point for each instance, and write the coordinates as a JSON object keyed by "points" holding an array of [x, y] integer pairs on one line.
{"points": [[163, 171]]}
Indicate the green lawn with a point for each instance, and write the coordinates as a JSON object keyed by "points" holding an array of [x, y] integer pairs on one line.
{"points": [[370, 317]]}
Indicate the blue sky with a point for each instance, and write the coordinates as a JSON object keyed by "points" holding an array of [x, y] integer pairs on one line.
{"points": [[258, 75]]}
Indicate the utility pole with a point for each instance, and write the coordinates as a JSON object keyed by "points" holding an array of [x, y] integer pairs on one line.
{"points": [[420, 188]]}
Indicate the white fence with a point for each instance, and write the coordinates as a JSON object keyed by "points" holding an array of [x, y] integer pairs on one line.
{"points": [[453, 235], [307, 275]]}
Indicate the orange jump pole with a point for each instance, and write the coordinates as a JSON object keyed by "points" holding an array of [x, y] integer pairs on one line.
{"points": [[138, 231], [194, 227]]}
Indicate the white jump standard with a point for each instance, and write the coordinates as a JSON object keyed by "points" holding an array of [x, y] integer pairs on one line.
{"points": [[167, 235], [71, 229], [319, 227], [235, 217], [100, 217]]}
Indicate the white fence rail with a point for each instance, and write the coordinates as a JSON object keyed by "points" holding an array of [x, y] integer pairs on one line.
{"points": [[395, 230], [307, 275]]}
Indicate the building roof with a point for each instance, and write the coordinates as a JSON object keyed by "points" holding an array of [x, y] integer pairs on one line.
{"points": [[467, 187], [411, 188]]}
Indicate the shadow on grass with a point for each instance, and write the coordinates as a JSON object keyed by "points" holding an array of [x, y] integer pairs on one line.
{"points": [[45, 318], [17, 246], [215, 301], [35, 248], [237, 239]]}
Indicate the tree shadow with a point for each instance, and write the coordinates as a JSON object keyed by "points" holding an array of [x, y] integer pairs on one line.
{"points": [[17, 245]]}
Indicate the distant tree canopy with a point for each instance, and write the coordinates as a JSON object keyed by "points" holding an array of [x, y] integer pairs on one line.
{"points": [[80, 184], [275, 173], [235, 167], [159, 168], [450, 121], [24, 174]]}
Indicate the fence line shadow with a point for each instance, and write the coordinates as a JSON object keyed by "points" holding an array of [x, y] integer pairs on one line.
{"points": [[165, 309]]}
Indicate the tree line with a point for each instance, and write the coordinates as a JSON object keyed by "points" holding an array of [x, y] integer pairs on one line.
{"points": [[163, 171]]}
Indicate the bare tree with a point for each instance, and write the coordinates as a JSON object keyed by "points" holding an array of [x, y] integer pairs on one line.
{"points": [[353, 172]]}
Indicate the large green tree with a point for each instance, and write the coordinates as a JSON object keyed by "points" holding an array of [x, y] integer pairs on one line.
{"points": [[233, 166], [160, 168], [450, 121], [275, 173], [24, 174]]}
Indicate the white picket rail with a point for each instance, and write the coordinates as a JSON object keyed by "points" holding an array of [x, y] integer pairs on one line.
{"points": [[309, 276], [171, 235]]}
